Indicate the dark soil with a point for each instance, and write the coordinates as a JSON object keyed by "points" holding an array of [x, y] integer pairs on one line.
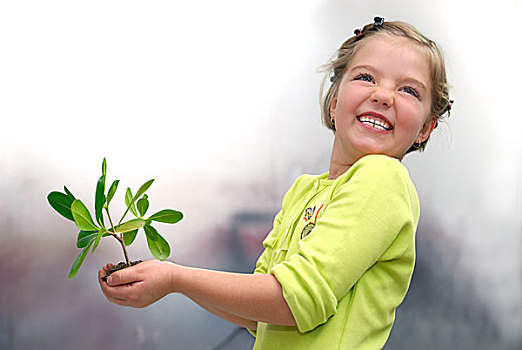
{"points": [[118, 267]]}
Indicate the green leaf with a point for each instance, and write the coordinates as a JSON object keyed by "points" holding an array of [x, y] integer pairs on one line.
{"points": [[68, 192], [168, 216], [129, 202], [85, 238], [99, 199], [143, 205], [79, 260], [143, 189], [61, 203], [158, 246], [82, 217], [112, 190], [129, 237], [104, 167], [130, 225], [97, 241]]}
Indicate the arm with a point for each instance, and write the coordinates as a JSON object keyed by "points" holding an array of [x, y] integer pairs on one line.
{"points": [[243, 322], [226, 316], [241, 296], [254, 297]]}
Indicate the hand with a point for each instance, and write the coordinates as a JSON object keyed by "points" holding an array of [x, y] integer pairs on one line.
{"points": [[140, 285]]}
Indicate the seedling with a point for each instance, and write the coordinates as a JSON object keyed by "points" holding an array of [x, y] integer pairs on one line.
{"points": [[92, 231]]}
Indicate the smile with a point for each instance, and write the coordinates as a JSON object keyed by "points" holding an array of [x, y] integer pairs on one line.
{"points": [[374, 122]]}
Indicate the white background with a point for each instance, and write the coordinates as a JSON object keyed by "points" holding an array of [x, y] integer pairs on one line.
{"points": [[218, 101]]}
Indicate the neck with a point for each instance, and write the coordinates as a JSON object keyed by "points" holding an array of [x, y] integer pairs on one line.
{"points": [[338, 164]]}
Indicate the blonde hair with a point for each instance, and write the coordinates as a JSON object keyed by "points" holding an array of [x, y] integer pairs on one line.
{"points": [[335, 69]]}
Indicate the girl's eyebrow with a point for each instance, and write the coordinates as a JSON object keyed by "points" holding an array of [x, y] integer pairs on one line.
{"points": [[415, 82], [407, 80], [370, 68]]}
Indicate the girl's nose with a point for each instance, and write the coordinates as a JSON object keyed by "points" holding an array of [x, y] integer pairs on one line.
{"points": [[382, 96]]}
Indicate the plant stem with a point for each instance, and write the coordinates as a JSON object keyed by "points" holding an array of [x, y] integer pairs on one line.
{"points": [[118, 238], [122, 242]]}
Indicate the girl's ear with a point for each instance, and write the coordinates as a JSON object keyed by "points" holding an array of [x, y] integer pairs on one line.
{"points": [[333, 106], [428, 128]]}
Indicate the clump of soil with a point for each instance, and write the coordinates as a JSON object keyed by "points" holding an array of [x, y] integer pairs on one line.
{"points": [[120, 266]]}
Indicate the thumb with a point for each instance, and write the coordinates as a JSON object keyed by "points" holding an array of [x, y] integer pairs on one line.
{"points": [[124, 276]]}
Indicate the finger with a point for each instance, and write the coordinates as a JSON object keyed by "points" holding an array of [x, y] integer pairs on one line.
{"points": [[103, 285], [129, 293], [118, 294], [122, 277], [101, 273]]}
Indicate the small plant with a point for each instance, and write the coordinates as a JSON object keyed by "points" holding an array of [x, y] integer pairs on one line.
{"points": [[91, 232]]}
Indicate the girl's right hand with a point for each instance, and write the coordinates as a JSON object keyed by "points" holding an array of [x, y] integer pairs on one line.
{"points": [[138, 286]]}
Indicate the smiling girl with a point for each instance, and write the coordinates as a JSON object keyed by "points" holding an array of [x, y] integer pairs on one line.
{"points": [[341, 253]]}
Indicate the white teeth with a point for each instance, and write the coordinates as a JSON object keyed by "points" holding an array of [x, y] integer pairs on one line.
{"points": [[376, 123]]}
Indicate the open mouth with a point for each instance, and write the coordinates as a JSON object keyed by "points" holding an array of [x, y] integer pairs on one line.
{"points": [[374, 122]]}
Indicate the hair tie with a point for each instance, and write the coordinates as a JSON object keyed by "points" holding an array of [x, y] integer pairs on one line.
{"points": [[450, 104], [357, 33], [337, 73], [378, 21]]}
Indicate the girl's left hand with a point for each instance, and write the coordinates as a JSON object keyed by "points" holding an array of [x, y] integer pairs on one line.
{"points": [[140, 285]]}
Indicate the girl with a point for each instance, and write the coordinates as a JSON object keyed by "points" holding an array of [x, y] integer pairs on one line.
{"points": [[341, 254]]}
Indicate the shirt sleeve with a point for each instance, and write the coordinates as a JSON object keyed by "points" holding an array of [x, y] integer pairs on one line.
{"points": [[268, 243], [263, 262], [363, 217]]}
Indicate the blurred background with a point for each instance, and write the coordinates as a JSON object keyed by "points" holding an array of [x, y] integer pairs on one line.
{"points": [[218, 101]]}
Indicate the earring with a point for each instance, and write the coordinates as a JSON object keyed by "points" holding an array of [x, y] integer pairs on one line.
{"points": [[417, 145], [332, 120]]}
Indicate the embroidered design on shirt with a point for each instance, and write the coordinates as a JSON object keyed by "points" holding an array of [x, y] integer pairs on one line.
{"points": [[310, 216]]}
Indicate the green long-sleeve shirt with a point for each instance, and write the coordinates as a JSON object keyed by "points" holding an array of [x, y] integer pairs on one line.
{"points": [[343, 251]]}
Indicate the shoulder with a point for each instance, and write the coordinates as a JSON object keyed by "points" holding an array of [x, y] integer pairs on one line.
{"points": [[302, 185], [377, 169], [378, 176], [380, 162]]}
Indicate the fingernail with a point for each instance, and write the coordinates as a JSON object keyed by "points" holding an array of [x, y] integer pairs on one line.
{"points": [[109, 281]]}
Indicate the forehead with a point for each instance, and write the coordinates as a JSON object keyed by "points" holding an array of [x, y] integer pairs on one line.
{"points": [[394, 55]]}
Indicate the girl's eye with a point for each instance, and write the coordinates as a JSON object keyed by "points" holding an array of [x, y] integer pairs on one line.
{"points": [[364, 77], [411, 91]]}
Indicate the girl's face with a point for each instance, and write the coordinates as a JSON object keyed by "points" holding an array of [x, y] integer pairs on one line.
{"points": [[384, 100]]}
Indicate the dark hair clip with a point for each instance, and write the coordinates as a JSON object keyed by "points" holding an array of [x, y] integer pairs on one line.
{"points": [[450, 104], [338, 72], [358, 33], [378, 21]]}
